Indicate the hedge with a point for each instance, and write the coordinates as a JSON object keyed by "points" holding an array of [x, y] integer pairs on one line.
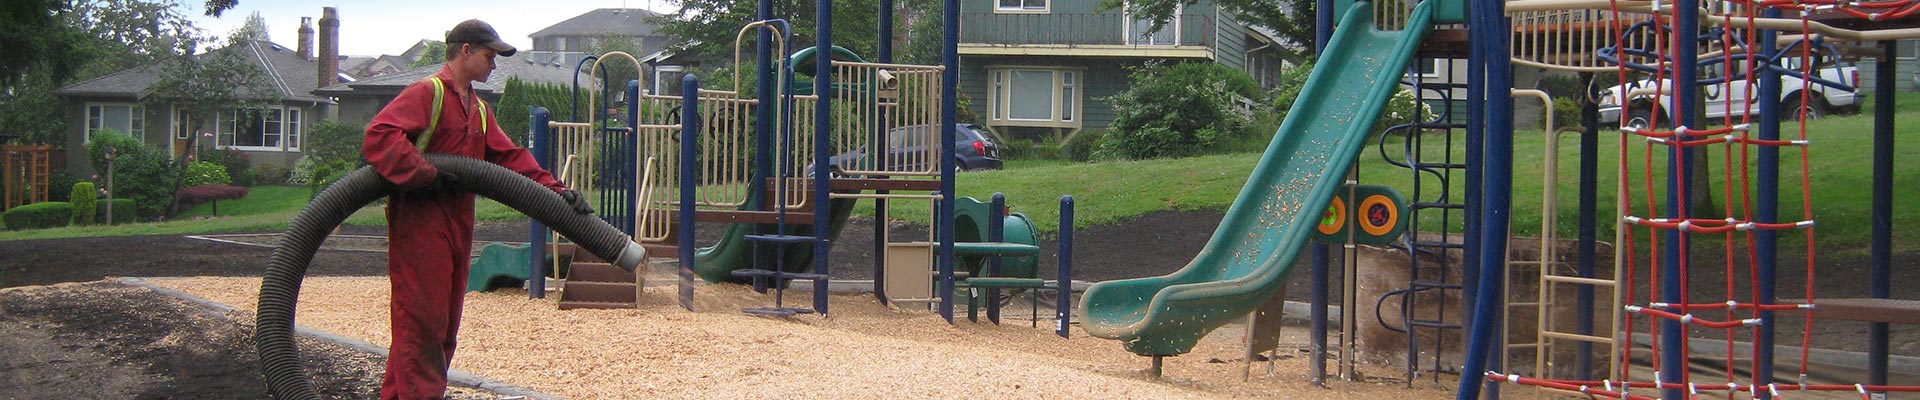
{"points": [[52, 214]]}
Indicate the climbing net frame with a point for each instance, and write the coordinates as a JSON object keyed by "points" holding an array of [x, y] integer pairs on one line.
{"points": [[1646, 44]]}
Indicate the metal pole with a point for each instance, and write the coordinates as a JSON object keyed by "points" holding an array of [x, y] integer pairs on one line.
{"points": [[949, 97], [823, 130], [996, 221], [1323, 19], [1883, 93], [880, 204], [1589, 219], [689, 137], [764, 129], [1766, 210], [542, 154], [1063, 299], [631, 175], [1489, 36], [1686, 54]]}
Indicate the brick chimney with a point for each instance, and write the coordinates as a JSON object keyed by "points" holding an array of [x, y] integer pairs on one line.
{"points": [[306, 38], [329, 47]]}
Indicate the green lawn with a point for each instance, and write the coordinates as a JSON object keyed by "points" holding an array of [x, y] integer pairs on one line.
{"points": [[1110, 192]]}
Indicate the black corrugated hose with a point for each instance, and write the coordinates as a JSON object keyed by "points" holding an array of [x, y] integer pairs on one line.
{"points": [[280, 289]]}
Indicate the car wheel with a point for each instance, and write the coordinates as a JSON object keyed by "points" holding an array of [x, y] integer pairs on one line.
{"points": [[1642, 118], [1790, 109], [960, 165]]}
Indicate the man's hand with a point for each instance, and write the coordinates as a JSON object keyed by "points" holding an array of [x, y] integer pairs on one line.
{"points": [[577, 201], [444, 183]]}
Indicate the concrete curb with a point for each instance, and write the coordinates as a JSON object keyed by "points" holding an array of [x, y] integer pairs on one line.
{"points": [[454, 376]]}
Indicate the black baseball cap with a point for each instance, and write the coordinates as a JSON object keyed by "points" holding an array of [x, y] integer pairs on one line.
{"points": [[477, 32]]}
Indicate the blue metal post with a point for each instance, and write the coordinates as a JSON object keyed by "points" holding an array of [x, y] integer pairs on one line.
{"points": [[1063, 300], [543, 154], [1475, 145], [1686, 56], [1883, 93], [1496, 193], [823, 129], [630, 181], [1766, 208], [949, 83], [764, 129], [689, 136], [1589, 220], [880, 204], [1323, 32], [996, 221]]}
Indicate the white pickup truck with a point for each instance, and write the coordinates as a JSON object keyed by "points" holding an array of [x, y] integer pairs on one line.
{"points": [[1719, 102]]}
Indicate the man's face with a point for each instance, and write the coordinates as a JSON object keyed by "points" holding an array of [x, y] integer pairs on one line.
{"points": [[476, 61]]}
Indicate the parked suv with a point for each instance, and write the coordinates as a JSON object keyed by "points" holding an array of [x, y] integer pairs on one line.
{"points": [[974, 148], [1719, 102]]}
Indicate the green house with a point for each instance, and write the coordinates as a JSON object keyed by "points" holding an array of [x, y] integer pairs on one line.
{"points": [[1041, 68]]}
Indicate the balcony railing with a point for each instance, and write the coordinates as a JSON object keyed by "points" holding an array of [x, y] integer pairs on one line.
{"points": [[1071, 29]]}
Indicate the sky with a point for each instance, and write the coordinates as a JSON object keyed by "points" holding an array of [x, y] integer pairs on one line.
{"points": [[375, 27]]}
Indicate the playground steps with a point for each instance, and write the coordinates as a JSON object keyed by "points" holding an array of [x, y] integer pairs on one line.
{"points": [[595, 283]]}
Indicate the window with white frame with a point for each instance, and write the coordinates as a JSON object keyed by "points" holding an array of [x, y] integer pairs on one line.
{"points": [[1140, 32], [666, 79], [1034, 96], [182, 124], [1031, 6], [128, 119], [260, 129]]}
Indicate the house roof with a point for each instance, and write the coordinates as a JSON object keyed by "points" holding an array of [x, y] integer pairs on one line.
{"points": [[390, 84], [292, 77], [632, 21]]}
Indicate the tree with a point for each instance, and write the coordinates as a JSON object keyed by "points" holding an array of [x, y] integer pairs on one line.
{"points": [[50, 43], [254, 29], [436, 54], [707, 28], [1293, 20], [215, 7], [204, 84]]}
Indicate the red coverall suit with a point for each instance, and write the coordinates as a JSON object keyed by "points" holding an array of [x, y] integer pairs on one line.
{"points": [[431, 233]]}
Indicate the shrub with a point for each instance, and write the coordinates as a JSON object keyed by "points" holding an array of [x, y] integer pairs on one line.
{"points": [[108, 138], [141, 173], [121, 209], [336, 141], [206, 173], [84, 199], [51, 214], [1179, 110], [269, 174], [192, 195], [61, 179], [237, 166], [1081, 145], [302, 172]]}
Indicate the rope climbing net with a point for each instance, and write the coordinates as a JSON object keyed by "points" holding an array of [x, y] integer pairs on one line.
{"points": [[1657, 158]]}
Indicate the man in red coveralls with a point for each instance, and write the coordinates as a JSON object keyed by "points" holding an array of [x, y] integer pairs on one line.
{"points": [[430, 228]]}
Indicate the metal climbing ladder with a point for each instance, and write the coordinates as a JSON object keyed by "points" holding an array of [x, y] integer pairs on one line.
{"points": [[1427, 165]]}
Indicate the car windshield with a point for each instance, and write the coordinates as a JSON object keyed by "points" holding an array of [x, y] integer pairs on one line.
{"points": [[984, 134], [912, 136]]}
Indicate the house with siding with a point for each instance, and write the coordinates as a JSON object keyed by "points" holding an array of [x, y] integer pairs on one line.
{"points": [[567, 42], [1039, 68], [268, 132]]}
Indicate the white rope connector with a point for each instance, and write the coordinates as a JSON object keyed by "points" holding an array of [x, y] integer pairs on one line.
{"points": [[1633, 309], [1686, 225], [1807, 306], [1773, 389], [1585, 389], [1657, 383], [1686, 319], [1750, 322], [1731, 139], [1692, 389], [1803, 224], [1860, 387], [1513, 379], [1744, 226], [1630, 219], [1656, 140], [1801, 143], [1743, 128], [1732, 304], [1657, 305], [1608, 383]]}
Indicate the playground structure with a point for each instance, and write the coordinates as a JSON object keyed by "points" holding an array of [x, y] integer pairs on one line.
{"points": [[764, 185], [781, 165], [28, 171], [1594, 355]]}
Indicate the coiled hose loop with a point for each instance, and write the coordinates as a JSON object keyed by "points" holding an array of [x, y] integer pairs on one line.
{"points": [[280, 288]]}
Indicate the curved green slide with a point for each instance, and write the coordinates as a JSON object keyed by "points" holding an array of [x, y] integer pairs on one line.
{"points": [[1252, 251]]}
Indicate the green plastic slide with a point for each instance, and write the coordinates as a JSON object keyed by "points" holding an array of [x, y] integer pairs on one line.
{"points": [[1252, 251]]}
